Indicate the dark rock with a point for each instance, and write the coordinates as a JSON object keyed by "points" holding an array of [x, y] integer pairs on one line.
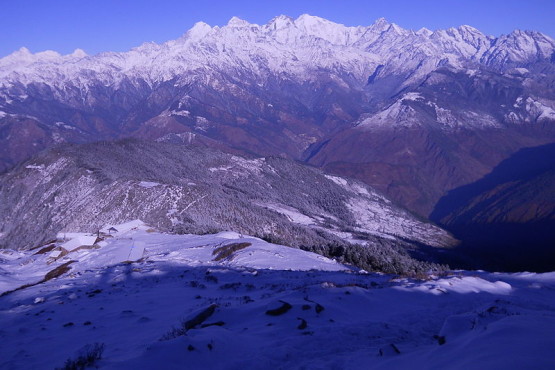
{"points": [[280, 310]]}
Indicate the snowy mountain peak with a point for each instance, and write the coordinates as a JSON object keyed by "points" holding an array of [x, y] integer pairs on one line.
{"points": [[324, 29], [200, 30], [471, 36], [520, 47], [424, 32], [78, 53], [310, 20], [395, 28], [279, 22], [48, 54], [469, 30], [236, 22], [23, 55], [311, 23], [380, 25], [23, 51]]}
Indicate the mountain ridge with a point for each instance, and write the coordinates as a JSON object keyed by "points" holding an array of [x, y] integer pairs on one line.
{"points": [[464, 41], [193, 189], [298, 88]]}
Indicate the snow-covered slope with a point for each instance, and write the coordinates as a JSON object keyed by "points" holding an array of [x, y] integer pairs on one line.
{"points": [[263, 306], [135, 241], [191, 189]]}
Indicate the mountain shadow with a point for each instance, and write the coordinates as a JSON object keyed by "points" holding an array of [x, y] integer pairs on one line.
{"points": [[506, 220]]}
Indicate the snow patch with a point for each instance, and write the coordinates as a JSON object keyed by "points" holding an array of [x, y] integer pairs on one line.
{"points": [[338, 180], [294, 215], [124, 228], [412, 96], [228, 235], [148, 184]]}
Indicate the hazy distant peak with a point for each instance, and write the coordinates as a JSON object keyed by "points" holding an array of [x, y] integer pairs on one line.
{"points": [[23, 57], [78, 53], [22, 51]]}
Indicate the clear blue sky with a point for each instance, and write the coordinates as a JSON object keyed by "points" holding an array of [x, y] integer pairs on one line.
{"points": [[118, 25]]}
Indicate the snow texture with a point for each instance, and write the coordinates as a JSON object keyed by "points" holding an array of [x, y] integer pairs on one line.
{"points": [[147, 313], [301, 47]]}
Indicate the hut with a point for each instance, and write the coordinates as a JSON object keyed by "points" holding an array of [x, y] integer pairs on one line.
{"points": [[80, 241]]}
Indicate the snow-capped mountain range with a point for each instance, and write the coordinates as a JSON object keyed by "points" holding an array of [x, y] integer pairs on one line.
{"points": [[413, 114], [299, 47], [299, 81]]}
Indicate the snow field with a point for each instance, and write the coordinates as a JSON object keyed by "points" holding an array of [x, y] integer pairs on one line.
{"points": [[324, 315]]}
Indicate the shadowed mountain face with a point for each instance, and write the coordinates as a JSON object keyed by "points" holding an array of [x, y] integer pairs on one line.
{"points": [[506, 220], [417, 166], [414, 114], [451, 130]]}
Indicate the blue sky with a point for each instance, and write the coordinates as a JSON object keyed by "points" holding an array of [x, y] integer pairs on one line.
{"points": [[118, 25]]}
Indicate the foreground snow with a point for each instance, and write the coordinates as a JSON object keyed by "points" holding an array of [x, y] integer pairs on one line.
{"points": [[338, 318]]}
